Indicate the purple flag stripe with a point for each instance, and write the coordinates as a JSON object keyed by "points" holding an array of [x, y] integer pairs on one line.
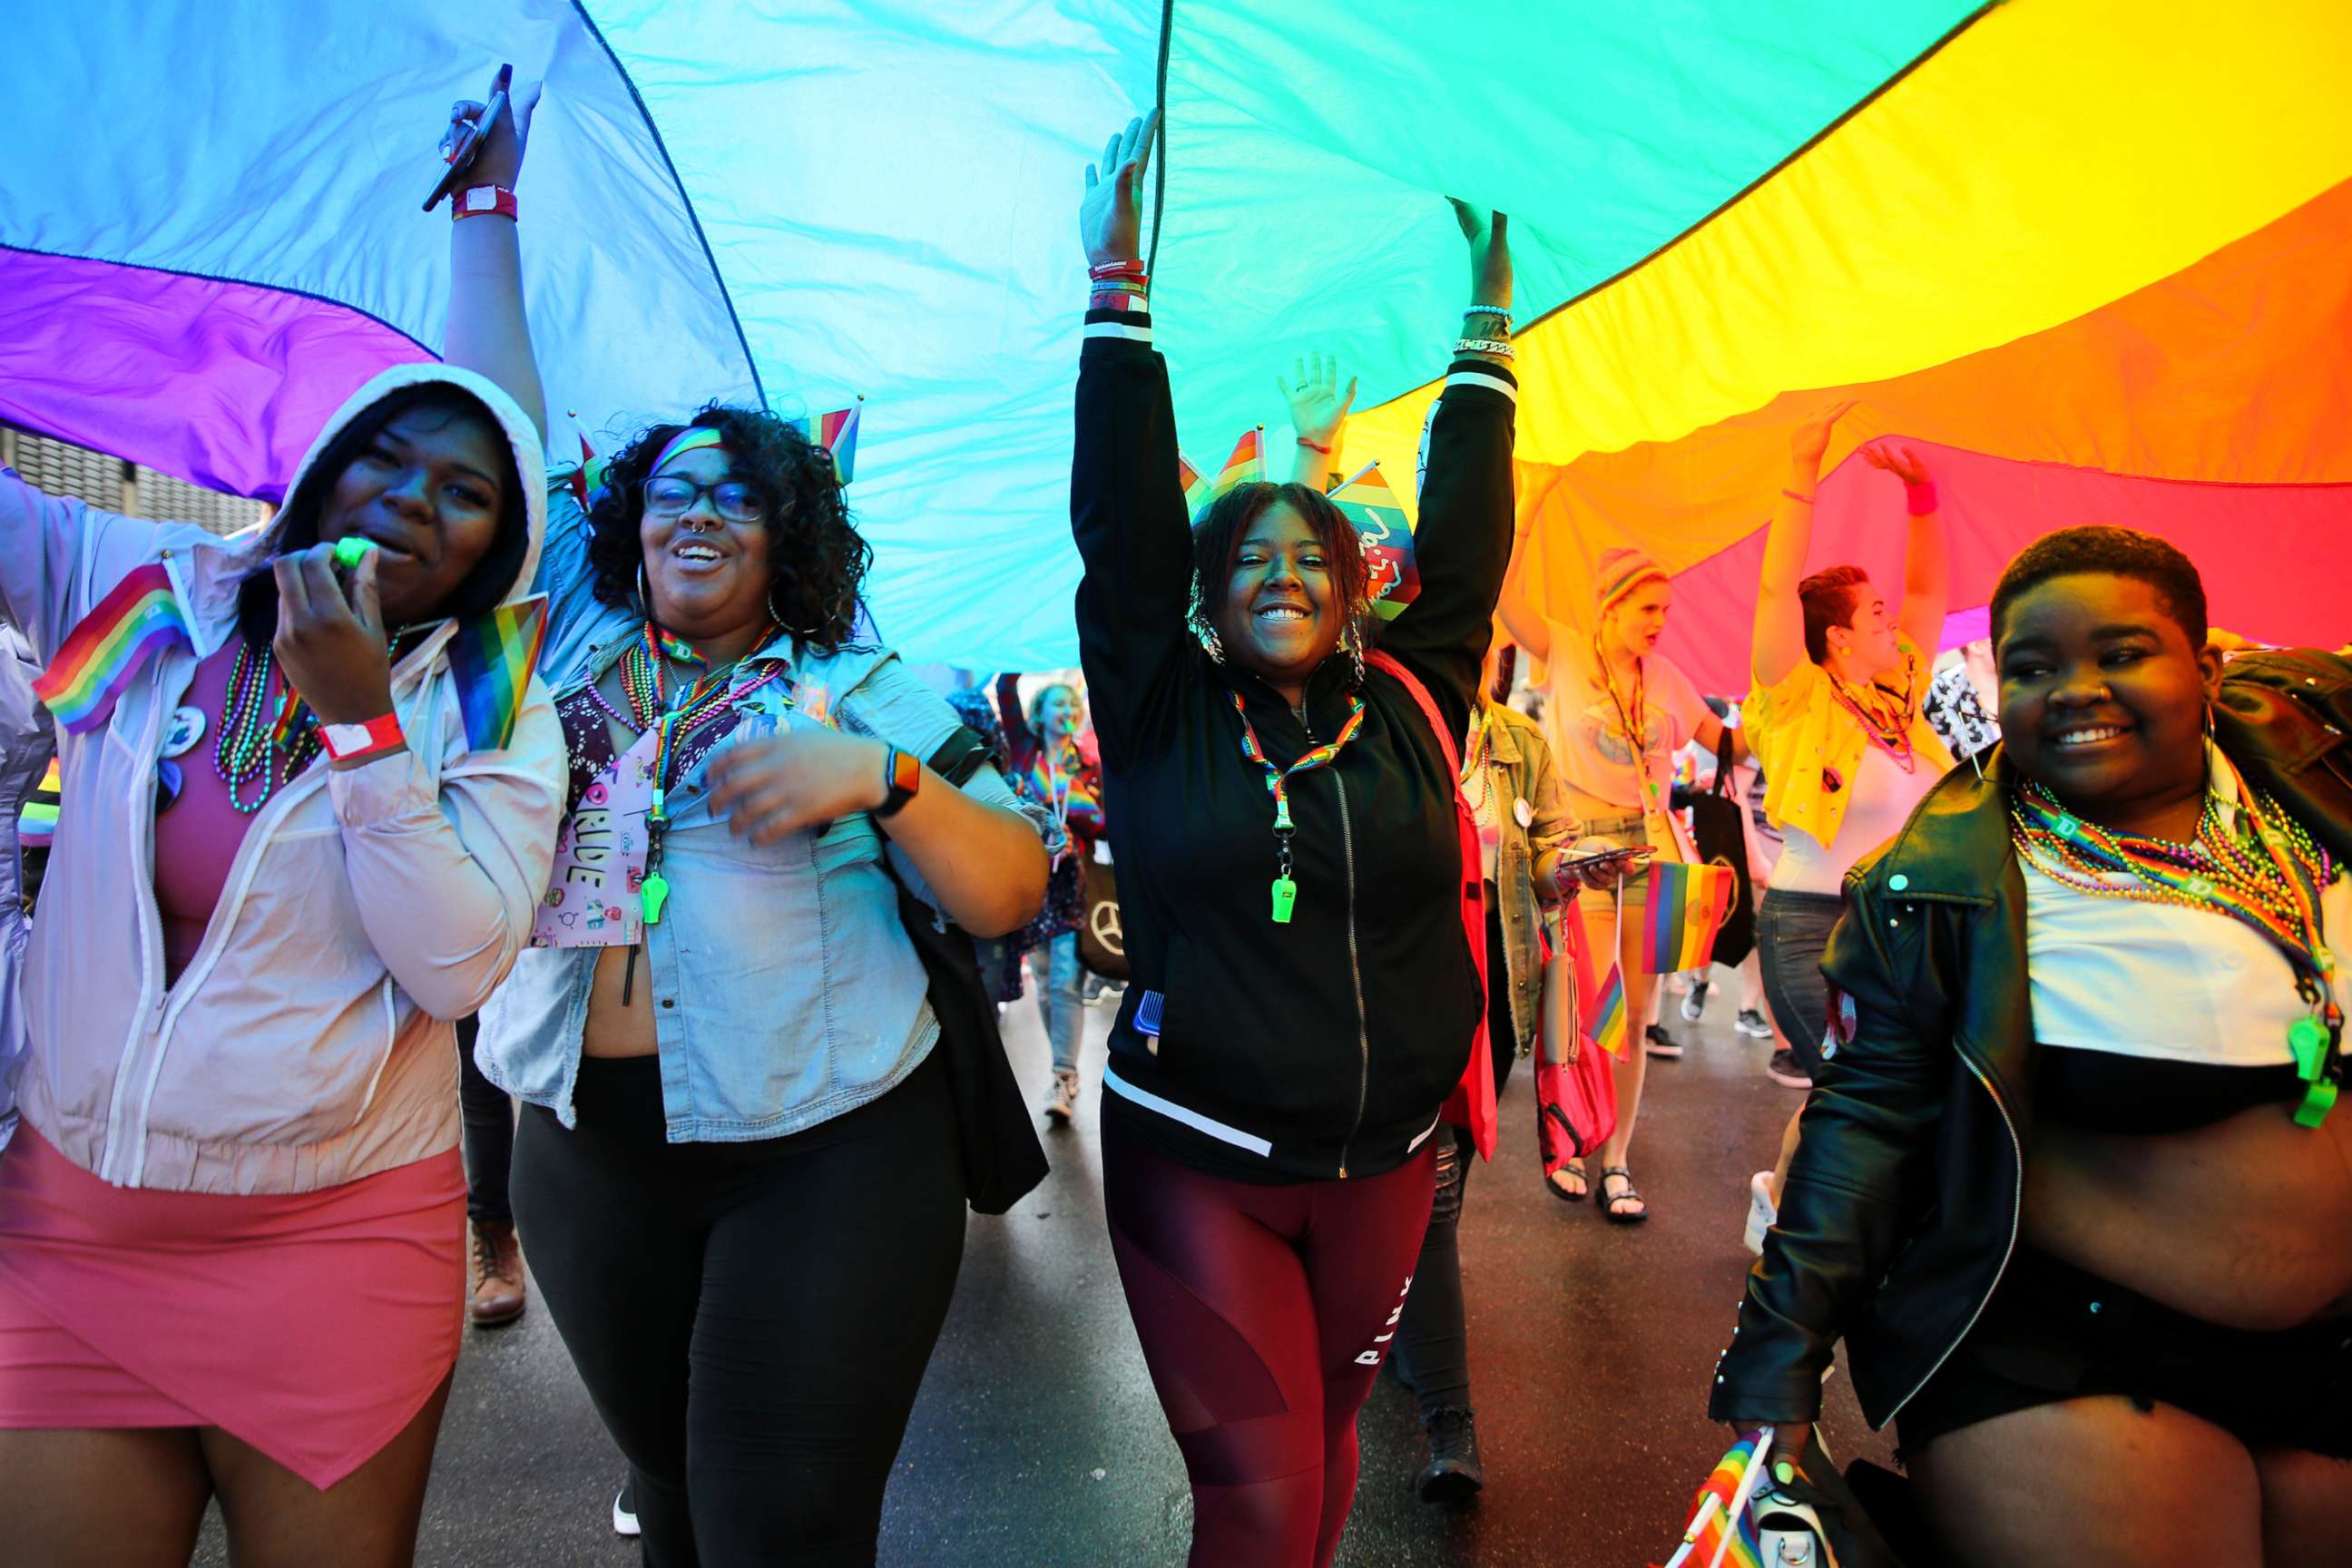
{"points": [[220, 384]]}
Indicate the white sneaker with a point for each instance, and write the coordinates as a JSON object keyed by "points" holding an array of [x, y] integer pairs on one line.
{"points": [[624, 1512], [1062, 1102], [1761, 1211]]}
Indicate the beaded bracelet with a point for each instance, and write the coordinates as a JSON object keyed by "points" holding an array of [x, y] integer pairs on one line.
{"points": [[1502, 311], [1498, 347]]}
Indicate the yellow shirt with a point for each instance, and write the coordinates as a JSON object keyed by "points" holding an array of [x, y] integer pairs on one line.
{"points": [[1799, 731]]}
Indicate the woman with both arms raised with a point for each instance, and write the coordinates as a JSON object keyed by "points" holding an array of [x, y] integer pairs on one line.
{"points": [[1283, 807]]}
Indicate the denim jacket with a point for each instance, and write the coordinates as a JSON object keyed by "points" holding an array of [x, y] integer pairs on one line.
{"points": [[784, 989]]}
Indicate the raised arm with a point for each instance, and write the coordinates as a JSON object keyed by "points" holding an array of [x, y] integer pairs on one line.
{"points": [[1318, 417], [486, 329], [1127, 503], [1462, 548], [1926, 560], [1779, 640]]}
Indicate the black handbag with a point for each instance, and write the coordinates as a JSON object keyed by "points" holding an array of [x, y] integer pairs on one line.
{"points": [[995, 1136], [1102, 942], [1718, 829]]}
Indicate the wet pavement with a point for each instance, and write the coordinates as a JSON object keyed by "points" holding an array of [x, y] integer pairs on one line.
{"points": [[1037, 1440]]}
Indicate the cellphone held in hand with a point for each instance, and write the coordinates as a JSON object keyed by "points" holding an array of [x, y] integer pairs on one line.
{"points": [[470, 137]]}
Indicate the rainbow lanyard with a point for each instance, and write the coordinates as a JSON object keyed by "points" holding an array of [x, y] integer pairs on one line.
{"points": [[2276, 893], [1885, 720], [644, 678], [1636, 725], [1277, 784]]}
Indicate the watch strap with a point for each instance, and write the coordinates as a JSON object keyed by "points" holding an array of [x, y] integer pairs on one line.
{"points": [[902, 776]]}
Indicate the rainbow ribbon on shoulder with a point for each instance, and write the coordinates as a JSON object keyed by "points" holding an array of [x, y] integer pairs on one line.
{"points": [[138, 619]]}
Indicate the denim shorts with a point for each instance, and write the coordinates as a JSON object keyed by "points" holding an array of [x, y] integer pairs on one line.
{"points": [[1792, 929]]}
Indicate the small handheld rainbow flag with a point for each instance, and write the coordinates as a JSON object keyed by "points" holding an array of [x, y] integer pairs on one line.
{"points": [[1367, 501], [1687, 907], [139, 617], [1246, 467], [1195, 483], [492, 657], [838, 432], [1603, 1006], [1722, 1527]]}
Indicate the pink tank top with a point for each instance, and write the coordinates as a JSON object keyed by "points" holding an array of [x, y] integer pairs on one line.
{"points": [[198, 833]]}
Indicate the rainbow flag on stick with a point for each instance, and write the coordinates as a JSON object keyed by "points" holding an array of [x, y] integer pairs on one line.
{"points": [[139, 617], [1246, 467], [838, 432], [1602, 1005], [492, 657], [1722, 1526], [1688, 906], [1195, 483], [1367, 501]]}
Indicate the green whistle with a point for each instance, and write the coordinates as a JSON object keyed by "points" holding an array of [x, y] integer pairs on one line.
{"points": [[652, 895], [1286, 897], [351, 549]]}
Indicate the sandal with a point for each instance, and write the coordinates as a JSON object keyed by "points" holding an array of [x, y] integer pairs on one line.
{"points": [[1568, 1168], [1609, 1200]]}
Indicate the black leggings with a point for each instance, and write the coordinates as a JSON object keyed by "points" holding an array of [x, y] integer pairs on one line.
{"points": [[490, 1117], [751, 1320], [1432, 1344]]}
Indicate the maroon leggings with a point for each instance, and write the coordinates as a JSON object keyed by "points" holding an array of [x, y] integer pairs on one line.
{"points": [[1264, 1313]]}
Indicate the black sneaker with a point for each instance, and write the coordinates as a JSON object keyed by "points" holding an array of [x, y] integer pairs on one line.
{"points": [[1453, 1473], [1695, 1001], [1658, 1043], [1786, 1069], [1751, 1024]]}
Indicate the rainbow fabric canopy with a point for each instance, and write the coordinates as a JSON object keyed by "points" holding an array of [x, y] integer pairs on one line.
{"points": [[2092, 254]]}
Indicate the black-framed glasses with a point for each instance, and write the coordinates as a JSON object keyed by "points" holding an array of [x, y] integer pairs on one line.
{"points": [[673, 495]]}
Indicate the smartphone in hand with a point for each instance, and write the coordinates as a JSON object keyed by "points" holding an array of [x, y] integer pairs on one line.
{"points": [[469, 139]]}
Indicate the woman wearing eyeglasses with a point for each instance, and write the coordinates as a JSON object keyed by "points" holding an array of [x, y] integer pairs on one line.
{"points": [[737, 1170]]}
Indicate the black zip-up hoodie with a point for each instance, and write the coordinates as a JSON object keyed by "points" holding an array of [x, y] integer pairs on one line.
{"points": [[1323, 1047]]}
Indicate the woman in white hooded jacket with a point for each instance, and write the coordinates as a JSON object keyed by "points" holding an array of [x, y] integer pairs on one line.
{"points": [[232, 1218]]}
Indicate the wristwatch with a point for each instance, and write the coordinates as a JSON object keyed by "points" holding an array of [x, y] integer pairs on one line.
{"points": [[902, 775]]}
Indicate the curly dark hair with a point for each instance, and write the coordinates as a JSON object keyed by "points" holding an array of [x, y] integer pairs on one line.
{"points": [[2108, 551], [1217, 539], [816, 559], [297, 527]]}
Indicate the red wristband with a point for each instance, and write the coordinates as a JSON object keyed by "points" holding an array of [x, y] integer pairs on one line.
{"points": [[346, 743], [1920, 497], [1311, 446], [484, 201]]}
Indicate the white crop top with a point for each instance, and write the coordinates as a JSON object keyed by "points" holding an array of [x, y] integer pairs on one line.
{"points": [[2165, 981]]}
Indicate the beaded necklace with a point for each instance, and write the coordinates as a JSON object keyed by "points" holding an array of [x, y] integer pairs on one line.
{"points": [[1277, 784], [1634, 723], [1884, 717], [255, 731], [2266, 872], [645, 667]]}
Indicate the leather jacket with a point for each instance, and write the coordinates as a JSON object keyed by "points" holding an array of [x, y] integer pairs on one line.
{"points": [[1902, 1207]]}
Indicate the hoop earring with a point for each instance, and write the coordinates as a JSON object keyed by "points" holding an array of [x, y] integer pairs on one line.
{"points": [[1352, 640], [2209, 720], [644, 590]]}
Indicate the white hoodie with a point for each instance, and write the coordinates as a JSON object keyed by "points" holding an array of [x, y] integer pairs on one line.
{"points": [[308, 1041]]}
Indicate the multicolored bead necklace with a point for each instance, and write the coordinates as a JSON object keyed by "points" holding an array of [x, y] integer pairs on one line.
{"points": [[1278, 785], [2267, 872], [1634, 723], [645, 679], [255, 731], [1884, 717]]}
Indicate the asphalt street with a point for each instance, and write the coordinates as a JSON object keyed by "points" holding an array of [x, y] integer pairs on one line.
{"points": [[1037, 1442]]}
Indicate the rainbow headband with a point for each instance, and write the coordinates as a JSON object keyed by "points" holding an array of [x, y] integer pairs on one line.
{"points": [[138, 619], [693, 438], [1638, 571]]}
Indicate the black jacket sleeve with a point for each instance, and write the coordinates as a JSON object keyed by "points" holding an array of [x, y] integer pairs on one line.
{"points": [[1464, 541], [1126, 510], [1863, 1160]]}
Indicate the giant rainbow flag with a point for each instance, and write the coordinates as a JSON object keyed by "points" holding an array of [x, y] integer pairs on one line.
{"points": [[2093, 257]]}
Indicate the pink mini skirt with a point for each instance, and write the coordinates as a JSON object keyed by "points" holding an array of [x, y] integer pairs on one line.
{"points": [[312, 1326]]}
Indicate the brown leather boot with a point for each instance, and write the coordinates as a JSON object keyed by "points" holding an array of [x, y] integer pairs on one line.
{"points": [[497, 1294]]}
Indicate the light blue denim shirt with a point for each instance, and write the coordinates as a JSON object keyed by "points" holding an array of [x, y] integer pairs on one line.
{"points": [[784, 988]]}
